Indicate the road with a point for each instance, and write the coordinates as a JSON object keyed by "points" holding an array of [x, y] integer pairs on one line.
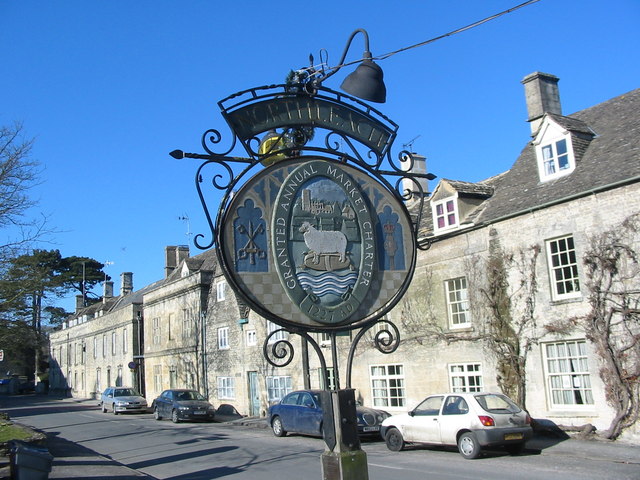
{"points": [[193, 451]]}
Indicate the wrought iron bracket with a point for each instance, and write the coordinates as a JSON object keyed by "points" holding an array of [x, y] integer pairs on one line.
{"points": [[299, 123]]}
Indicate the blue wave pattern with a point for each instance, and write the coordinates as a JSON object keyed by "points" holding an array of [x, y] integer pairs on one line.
{"points": [[327, 283]]}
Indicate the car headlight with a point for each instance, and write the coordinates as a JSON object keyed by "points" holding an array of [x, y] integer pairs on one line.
{"points": [[121, 403], [183, 408]]}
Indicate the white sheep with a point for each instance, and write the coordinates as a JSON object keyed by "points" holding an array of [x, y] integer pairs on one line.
{"points": [[321, 242]]}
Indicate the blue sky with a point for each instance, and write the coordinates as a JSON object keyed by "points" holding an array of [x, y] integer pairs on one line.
{"points": [[108, 89]]}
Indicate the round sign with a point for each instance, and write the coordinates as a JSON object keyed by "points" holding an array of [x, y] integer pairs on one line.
{"points": [[317, 243]]}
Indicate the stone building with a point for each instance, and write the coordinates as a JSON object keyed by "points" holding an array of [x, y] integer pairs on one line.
{"points": [[513, 247], [504, 269], [100, 345], [175, 323]]}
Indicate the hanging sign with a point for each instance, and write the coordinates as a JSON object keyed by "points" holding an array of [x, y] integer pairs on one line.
{"points": [[317, 243]]}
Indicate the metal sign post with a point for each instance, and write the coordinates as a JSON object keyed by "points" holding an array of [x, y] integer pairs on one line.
{"points": [[310, 232]]}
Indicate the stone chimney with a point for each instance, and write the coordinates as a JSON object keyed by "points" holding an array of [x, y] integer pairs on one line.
{"points": [[542, 96], [182, 252], [108, 291], [173, 256], [79, 303], [126, 285], [420, 167]]}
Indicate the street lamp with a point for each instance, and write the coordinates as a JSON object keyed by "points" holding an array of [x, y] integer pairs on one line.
{"points": [[366, 82]]}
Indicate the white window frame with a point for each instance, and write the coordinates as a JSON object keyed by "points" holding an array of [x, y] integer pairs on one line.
{"points": [[114, 336], [465, 377], [221, 290], [155, 322], [564, 277], [157, 378], [104, 345], [457, 297], [445, 214], [226, 388], [331, 379], [388, 385], [223, 338], [252, 338], [277, 387], [187, 323], [549, 158], [125, 340], [567, 375]]}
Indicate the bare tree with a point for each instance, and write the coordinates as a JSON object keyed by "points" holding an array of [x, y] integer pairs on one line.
{"points": [[18, 174], [502, 292], [612, 323]]}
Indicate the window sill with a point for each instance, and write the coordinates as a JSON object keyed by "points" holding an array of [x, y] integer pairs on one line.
{"points": [[565, 301], [462, 329]]}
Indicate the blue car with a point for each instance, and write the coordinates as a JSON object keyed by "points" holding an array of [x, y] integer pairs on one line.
{"points": [[301, 412]]}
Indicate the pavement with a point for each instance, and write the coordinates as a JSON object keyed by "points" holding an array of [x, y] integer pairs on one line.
{"points": [[72, 461]]}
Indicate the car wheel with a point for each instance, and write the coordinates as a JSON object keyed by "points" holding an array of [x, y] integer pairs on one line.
{"points": [[394, 440], [156, 414], [514, 448], [276, 425], [104, 409], [114, 409], [174, 416], [468, 446]]}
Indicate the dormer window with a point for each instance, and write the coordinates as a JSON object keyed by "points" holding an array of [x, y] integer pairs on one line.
{"points": [[555, 158], [445, 214], [554, 151]]}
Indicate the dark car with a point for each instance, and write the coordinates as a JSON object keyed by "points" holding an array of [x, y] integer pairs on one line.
{"points": [[227, 413], [182, 404], [301, 412]]}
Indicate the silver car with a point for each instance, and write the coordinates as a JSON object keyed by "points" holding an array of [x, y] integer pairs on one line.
{"points": [[122, 399], [469, 421]]}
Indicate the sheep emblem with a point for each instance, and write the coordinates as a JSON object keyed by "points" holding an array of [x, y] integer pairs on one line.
{"points": [[324, 242]]}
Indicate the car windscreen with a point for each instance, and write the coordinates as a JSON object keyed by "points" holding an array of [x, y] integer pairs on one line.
{"points": [[497, 403], [125, 392], [189, 396]]}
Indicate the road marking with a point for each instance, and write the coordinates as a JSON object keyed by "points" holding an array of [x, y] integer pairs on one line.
{"points": [[386, 466]]}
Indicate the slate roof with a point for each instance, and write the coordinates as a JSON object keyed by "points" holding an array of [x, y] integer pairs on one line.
{"points": [[206, 261], [473, 189], [607, 150]]}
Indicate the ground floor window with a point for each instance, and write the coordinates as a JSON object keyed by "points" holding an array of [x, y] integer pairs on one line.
{"points": [[278, 387], [328, 381], [173, 376], [226, 387], [387, 385], [157, 378], [567, 371], [465, 377]]}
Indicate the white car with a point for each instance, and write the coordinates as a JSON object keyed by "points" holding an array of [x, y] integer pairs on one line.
{"points": [[121, 400], [469, 421]]}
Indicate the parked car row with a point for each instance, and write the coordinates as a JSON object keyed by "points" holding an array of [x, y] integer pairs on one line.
{"points": [[176, 404], [470, 421]]}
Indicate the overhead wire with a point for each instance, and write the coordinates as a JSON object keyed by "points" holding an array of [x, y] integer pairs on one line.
{"points": [[440, 37]]}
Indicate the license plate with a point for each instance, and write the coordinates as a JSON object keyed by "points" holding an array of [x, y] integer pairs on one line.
{"points": [[371, 429], [513, 436], [199, 413]]}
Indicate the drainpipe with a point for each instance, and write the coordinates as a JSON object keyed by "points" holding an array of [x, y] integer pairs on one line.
{"points": [[203, 352]]}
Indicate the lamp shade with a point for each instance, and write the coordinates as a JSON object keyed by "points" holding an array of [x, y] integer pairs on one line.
{"points": [[366, 82]]}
